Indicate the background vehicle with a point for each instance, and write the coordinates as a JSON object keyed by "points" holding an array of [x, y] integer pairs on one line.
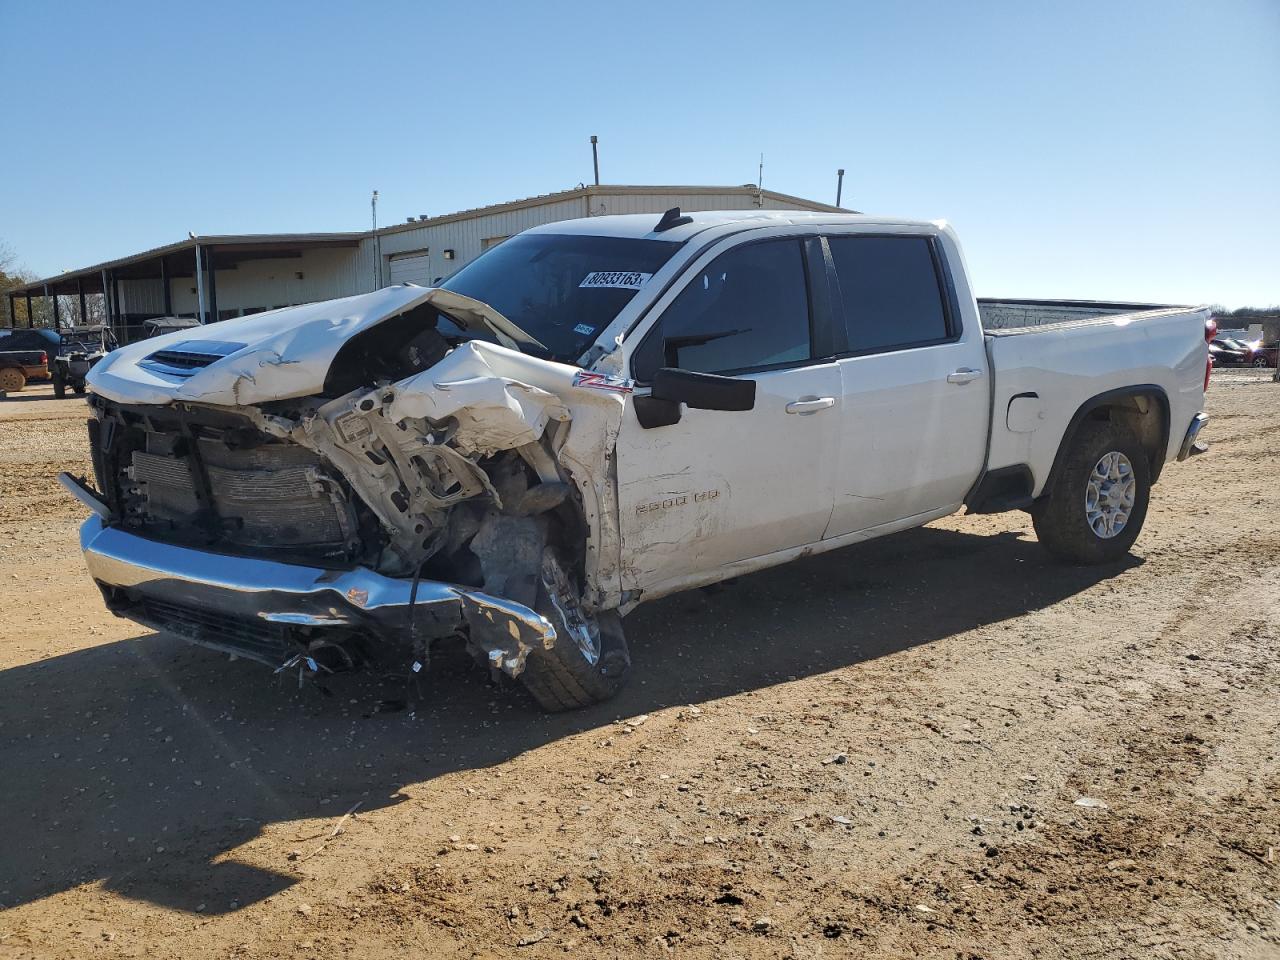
{"points": [[78, 350], [1264, 354], [19, 366], [1228, 353], [597, 413], [159, 326], [30, 338]]}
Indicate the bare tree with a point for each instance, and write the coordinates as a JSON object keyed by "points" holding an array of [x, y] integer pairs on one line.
{"points": [[11, 275]]}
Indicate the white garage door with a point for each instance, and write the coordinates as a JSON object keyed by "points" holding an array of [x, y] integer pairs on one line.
{"points": [[411, 268]]}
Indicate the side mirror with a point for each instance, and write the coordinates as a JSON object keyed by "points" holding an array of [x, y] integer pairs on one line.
{"points": [[702, 391]]}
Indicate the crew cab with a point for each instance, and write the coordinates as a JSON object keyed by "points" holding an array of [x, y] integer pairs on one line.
{"points": [[597, 413]]}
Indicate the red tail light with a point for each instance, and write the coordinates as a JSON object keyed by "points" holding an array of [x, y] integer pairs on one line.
{"points": [[1208, 369], [44, 358]]}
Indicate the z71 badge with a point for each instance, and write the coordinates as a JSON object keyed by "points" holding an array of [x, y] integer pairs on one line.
{"points": [[603, 381]]}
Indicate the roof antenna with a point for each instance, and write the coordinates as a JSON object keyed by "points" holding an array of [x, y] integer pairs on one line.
{"points": [[760, 177], [671, 219]]}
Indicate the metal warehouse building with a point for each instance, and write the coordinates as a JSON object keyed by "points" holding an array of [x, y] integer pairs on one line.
{"points": [[239, 275]]}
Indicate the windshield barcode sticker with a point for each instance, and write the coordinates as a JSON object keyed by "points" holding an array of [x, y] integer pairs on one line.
{"points": [[615, 279]]}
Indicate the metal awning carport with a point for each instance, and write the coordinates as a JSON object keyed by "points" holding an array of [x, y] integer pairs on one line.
{"points": [[200, 257]]}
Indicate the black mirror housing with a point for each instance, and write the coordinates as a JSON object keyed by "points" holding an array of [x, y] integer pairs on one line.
{"points": [[704, 391]]}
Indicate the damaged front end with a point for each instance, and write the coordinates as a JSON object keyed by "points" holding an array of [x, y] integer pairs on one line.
{"points": [[426, 489]]}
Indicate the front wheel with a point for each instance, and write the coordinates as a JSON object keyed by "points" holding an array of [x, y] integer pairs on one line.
{"points": [[79, 388], [1098, 502], [1260, 362], [589, 661]]}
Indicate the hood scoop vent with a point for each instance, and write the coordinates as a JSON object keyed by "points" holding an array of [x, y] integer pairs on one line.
{"points": [[189, 357]]}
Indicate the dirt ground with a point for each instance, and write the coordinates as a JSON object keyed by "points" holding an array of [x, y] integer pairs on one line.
{"points": [[939, 744]]}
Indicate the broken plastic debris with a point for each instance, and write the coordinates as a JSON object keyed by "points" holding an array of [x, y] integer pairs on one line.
{"points": [[1091, 802]]}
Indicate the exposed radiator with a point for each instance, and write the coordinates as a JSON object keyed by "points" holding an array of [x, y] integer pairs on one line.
{"points": [[275, 495]]}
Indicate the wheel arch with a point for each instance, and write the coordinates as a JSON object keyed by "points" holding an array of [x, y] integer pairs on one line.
{"points": [[1143, 407]]}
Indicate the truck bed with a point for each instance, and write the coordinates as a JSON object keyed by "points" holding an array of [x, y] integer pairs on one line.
{"points": [[1053, 370]]}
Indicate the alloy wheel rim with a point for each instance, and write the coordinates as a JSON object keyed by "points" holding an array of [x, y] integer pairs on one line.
{"points": [[1110, 495]]}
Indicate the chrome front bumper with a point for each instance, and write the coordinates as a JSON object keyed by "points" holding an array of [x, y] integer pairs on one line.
{"points": [[272, 611], [1189, 446]]}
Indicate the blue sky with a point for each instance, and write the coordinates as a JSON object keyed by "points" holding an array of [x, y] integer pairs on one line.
{"points": [[1122, 150]]}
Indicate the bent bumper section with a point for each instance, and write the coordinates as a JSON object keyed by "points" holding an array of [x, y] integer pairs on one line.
{"points": [[278, 613]]}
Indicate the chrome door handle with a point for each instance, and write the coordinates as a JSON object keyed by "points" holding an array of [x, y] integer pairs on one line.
{"points": [[810, 405], [964, 375]]}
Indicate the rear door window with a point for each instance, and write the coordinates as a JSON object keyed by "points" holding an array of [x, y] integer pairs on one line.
{"points": [[747, 310], [892, 292]]}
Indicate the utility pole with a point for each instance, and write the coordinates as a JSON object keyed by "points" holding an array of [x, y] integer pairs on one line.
{"points": [[595, 158], [377, 244], [839, 184]]}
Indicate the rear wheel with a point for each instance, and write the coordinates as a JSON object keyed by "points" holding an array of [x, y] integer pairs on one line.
{"points": [[1098, 501], [79, 388], [1260, 362], [589, 662], [12, 380]]}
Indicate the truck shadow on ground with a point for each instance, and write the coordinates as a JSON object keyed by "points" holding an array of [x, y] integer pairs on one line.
{"points": [[26, 397], [142, 763]]}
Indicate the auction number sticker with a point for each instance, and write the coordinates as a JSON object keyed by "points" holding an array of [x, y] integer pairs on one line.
{"points": [[615, 280]]}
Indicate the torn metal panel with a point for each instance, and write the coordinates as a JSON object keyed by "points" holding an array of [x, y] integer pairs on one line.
{"points": [[492, 412], [282, 353], [414, 450]]}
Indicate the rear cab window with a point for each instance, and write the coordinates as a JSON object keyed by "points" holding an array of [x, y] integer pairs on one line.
{"points": [[892, 292]]}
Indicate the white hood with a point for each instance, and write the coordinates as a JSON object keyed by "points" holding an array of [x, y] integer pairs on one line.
{"points": [[267, 356]]}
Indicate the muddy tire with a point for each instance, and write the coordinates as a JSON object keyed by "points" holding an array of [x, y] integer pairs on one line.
{"points": [[1098, 501], [12, 380], [589, 662]]}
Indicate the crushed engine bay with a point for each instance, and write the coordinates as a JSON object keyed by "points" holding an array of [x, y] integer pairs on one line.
{"points": [[423, 456]]}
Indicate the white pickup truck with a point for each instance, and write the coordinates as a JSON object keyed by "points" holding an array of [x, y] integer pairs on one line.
{"points": [[597, 413]]}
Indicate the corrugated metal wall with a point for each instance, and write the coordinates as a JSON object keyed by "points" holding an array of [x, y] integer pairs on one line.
{"points": [[329, 273], [604, 204], [465, 236]]}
